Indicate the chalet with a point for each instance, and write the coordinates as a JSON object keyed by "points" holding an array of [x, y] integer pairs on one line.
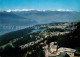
{"points": [[69, 51]]}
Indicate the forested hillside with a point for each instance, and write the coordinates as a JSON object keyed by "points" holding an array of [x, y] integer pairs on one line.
{"points": [[72, 39]]}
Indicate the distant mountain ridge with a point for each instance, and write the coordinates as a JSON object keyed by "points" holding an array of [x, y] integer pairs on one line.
{"points": [[33, 17], [37, 17]]}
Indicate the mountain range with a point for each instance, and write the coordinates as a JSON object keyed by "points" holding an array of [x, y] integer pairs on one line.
{"points": [[34, 17]]}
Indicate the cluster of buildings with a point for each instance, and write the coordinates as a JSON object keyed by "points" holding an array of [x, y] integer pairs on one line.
{"points": [[69, 51], [53, 25], [62, 27], [30, 43], [58, 33], [53, 48], [54, 34]]}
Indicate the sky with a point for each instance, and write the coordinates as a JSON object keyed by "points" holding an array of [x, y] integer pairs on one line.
{"points": [[40, 4]]}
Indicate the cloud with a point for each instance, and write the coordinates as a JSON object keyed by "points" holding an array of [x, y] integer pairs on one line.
{"points": [[8, 10], [63, 10], [23, 10], [36, 10], [19, 10]]}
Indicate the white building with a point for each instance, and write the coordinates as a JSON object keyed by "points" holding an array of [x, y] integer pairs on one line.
{"points": [[69, 51], [53, 48]]}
